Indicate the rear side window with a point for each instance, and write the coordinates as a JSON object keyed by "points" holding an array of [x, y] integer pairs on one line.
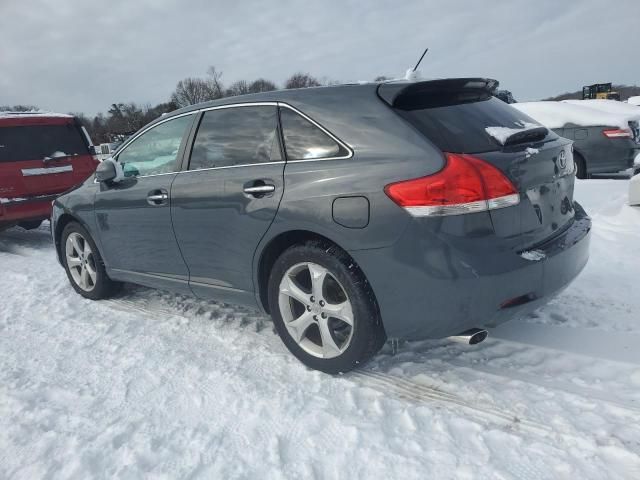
{"points": [[461, 127], [36, 142], [303, 140], [236, 136]]}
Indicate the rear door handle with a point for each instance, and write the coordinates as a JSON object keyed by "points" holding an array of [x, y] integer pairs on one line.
{"points": [[157, 197], [260, 189]]}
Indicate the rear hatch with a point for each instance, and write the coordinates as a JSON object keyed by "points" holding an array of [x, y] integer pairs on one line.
{"points": [[42, 155], [462, 116]]}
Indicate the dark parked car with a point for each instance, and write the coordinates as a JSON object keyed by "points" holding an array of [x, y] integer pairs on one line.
{"points": [[603, 142], [41, 156], [349, 213]]}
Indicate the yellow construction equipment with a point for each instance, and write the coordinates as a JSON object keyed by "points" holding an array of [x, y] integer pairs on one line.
{"points": [[599, 90]]}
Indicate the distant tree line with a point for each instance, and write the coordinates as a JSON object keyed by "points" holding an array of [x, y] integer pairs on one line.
{"points": [[123, 119]]}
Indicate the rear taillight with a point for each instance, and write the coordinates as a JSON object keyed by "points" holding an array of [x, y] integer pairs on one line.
{"points": [[466, 184], [618, 133]]}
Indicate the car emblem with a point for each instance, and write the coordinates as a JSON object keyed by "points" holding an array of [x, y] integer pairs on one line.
{"points": [[562, 159]]}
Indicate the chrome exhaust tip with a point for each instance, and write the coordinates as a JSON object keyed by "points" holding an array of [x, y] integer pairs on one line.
{"points": [[473, 336]]}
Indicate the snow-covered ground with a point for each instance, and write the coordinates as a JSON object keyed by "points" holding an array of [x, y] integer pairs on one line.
{"points": [[157, 385]]}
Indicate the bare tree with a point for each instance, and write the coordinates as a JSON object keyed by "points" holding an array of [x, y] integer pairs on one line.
{"points": [[194, 90], [381, 78], [241, 87], [215, 81], [301, 80], [262, 85]]}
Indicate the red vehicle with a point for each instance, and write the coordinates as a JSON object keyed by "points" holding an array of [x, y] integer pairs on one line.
{"points": [[42, 155]]}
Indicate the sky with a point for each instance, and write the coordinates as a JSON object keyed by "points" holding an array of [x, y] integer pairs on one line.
{"points": [[83, 55]]}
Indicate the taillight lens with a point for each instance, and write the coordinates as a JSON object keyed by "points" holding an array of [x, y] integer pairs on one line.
{"points": [[617, 133], [465, 185]]}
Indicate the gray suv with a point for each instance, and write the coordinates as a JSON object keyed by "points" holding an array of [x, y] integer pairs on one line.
{"points": [[351, 214]]}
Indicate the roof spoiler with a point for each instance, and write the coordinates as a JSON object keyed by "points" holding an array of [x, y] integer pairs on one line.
{"points": [[399, 94]]}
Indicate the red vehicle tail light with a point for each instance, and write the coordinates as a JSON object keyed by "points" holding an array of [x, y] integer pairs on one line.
{"points": [[618, 133], [465, 185]]}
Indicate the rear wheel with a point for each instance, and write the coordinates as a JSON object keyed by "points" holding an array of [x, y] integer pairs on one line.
{"points": [[581, 166], [324, 309], [84, 265]]}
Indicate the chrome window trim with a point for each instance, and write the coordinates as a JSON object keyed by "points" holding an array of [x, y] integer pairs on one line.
{"points": [[303, 115], [234, 105], [238, 105], [327, 132], [232, 166]]}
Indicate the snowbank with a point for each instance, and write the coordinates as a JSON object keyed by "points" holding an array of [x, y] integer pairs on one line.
{"points": [[560, 114], [631, 112], [34, 113], [634, 101]]}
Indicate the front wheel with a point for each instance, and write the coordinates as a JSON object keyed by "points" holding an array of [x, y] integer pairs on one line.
{"points": [[84, 265], [324, 308]]}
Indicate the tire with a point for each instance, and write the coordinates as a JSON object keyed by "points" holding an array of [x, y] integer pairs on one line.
{"points": [[581, 166], [302, 309], [30, 224], [73, 246]]}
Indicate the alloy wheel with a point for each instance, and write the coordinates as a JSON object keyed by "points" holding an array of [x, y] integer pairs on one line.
{"points": [[81, 261], [316, 310]]}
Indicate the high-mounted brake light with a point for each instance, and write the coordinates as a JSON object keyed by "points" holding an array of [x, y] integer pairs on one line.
{"points": [[466, 184], [618, 133]]}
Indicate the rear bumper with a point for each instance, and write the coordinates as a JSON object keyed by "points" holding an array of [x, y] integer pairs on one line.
{"points": [[430, 286], [16, 210]]}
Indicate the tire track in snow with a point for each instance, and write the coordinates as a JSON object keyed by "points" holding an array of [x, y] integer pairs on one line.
{"points": [[416, 392], [385, 384], [405, 389], [528, 378]]}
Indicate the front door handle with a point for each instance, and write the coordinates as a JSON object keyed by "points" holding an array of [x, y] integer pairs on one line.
{"points": [[260, 189], [157, 197]]}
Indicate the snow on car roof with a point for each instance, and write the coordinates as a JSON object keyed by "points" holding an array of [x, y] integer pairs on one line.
{"points": [[632, 112], [559, 114], [34, 113]]}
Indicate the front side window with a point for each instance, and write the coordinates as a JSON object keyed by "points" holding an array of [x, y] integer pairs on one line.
{"points": [[303, 140], [156, 150], [236, 136]]}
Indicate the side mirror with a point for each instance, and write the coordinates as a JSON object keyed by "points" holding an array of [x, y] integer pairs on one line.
{"points": [[93, 150], [109, 171]]}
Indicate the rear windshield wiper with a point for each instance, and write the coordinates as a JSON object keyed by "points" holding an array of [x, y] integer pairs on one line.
{"points": [[525, 136]]}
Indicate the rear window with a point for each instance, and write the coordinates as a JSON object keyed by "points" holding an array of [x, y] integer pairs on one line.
{"points": [[35, 142], [461, 127]]}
